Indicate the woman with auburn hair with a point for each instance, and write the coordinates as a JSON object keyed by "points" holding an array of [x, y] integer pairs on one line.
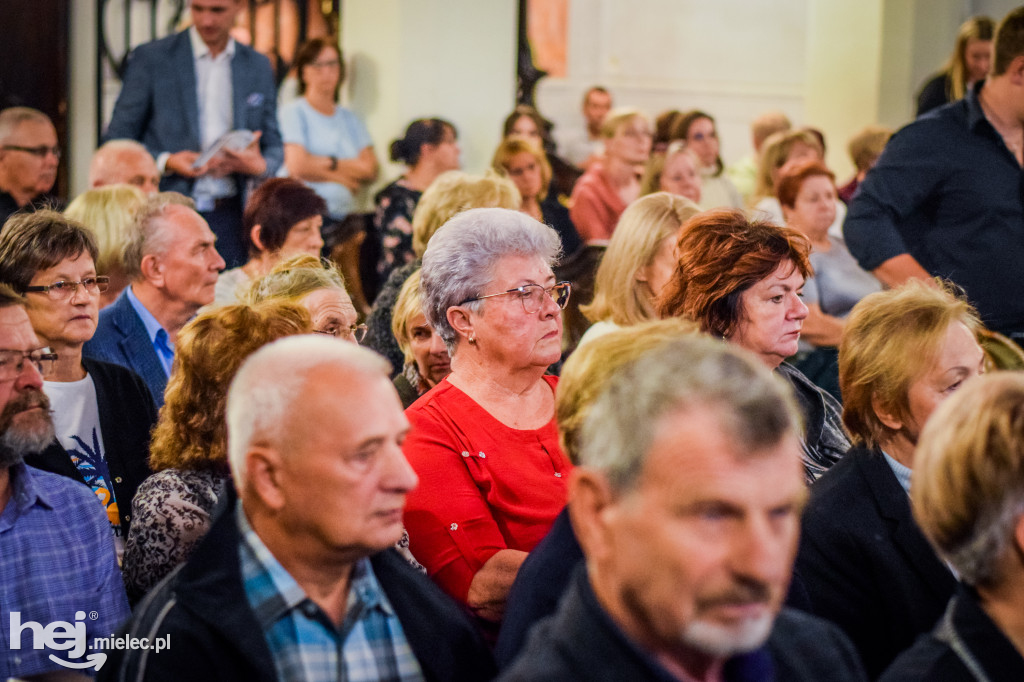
{"points": [[426, 357], [863, 561], [741, 280], [969, 63], [189, 449], [282, 218], [108, 212], [526, 165], [638, 262], [807, 194], [676, 171], [611, 184], [450, 194], [698, 132]]}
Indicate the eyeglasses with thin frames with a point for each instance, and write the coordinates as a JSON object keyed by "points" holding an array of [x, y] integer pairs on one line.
{"points": [[356, 332], [40, 151], [63, 290], [12, 362], [532, 296]]}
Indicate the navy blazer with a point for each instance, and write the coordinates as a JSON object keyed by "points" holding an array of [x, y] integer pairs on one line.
{"points": [[865, 563], [127, 415], [159, 107], [121, 338]]}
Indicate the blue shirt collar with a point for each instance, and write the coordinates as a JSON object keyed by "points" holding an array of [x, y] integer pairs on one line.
{"points": [[153, 327], [901, 471], [363, 585]]}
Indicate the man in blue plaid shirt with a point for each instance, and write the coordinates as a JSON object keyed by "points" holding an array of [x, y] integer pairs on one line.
{"points": [[60, 587], [298, 578]]}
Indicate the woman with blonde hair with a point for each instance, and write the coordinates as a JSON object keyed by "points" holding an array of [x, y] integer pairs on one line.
{"points": [[426, 357], [108, 212], [527, 166], [450, 194], [676, 171], [188, 454], [639, 261], [969, 63], [319, 287], [611, 184]]}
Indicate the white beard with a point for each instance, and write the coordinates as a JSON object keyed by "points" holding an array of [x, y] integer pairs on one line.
{"points": [[723, 641]]}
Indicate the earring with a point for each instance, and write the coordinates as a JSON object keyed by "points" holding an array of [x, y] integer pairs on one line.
{"points": [[472, 339]]}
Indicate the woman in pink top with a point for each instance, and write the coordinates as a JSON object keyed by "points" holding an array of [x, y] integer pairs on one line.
{"points": [[604, 191]]}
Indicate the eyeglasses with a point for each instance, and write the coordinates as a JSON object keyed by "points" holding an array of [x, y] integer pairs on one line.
{"points": [[700, 137], [327, 63], [40, 151], [356, 332], [12, 362], [532, 296], [62, 290]]}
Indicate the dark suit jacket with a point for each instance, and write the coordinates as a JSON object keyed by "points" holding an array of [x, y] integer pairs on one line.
{"points": [[865, 563], [980, 643], [158, 104], [121, 338], [581, 642], [127, 415], [216, 635]]}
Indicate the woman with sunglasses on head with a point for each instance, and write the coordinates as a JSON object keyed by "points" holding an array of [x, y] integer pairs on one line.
{"points": [[492, 477], [102, 412]]}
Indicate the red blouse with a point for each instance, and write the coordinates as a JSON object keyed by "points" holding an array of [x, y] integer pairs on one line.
{"points": [[484, 486]]}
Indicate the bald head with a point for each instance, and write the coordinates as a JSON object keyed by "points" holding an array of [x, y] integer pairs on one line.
{"points": [[124, 162], [262, 401]]}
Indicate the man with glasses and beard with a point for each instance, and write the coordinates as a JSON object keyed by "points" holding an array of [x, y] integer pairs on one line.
{"points": [[57, 562], [686, 502]]}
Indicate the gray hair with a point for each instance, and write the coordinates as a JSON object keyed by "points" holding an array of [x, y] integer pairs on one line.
{"points": [[756, 407], [146, 236], [12, 117], [461, 257], [263, 392], [106, 157]]}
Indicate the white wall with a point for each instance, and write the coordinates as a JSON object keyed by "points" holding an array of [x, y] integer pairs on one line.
{"points": [[411, 59], [834, 64]]}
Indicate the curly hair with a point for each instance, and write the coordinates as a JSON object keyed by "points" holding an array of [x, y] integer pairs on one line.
{"points": [[191, 431], [722, 254]]}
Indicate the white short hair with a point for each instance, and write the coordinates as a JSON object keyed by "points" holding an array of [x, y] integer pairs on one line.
{"points": [[271, 379]]}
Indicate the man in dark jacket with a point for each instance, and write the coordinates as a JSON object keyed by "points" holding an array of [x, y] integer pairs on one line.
{"points": [[296, 579], [687, 507]]}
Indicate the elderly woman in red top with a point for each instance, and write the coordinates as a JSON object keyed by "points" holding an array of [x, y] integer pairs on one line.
{"points": [[484, 441]]}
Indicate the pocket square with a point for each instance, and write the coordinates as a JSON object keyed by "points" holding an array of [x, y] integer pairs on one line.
{"points": [[254, 99]]}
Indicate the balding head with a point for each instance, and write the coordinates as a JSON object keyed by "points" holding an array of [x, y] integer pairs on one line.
{"points": [[124, 162], [329, 492]]}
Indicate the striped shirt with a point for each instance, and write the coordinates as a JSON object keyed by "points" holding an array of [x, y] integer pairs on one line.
{"points": [[369, 645]]}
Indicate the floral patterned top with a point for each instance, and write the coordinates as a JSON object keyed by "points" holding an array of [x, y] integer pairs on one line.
{"points": [[393, 223], [171, 513]]}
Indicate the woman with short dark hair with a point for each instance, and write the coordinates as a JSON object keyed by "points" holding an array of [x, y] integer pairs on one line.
{"points": [[282, 219]]}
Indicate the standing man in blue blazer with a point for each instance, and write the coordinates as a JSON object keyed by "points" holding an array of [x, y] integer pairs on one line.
{"points": [[181, 94]]}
